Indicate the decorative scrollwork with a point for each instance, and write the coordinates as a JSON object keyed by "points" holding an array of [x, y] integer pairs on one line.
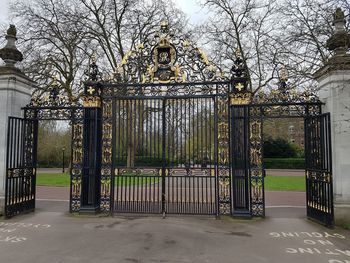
{"points": [[223, 156], [106, 168], [285, 93], [53, 97], [239, 69], [77, 164], [93, 73], [167, 58]]}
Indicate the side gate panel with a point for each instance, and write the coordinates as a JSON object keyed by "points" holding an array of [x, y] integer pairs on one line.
{"points": [[318, 159], [20, 166]]}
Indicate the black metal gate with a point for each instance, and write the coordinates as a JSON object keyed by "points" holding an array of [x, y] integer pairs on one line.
{"points": [[165, 150], [20, 166], [318, 158]]}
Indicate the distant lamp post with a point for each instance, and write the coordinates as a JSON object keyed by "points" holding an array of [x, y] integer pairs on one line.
{"points": [[63, 149]]}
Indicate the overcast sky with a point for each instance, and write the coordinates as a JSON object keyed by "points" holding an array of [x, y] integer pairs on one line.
{"points": [[4, 11], [191, 7]]}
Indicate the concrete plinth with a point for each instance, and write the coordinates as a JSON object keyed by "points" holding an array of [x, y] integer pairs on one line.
{"points": [[15, 93]]}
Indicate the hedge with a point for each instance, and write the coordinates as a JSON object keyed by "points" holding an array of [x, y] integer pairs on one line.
{"points": [[284, 163]]}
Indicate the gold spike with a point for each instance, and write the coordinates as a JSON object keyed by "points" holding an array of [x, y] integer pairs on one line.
{"points": [[283, 74], [93, 57]]}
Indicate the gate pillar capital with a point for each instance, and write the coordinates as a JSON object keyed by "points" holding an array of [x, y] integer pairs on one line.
{"points": [[91, 98]]}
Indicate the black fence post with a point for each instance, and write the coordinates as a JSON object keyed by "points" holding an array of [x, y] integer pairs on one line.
{"points": [[92, 134], [240, 100]]}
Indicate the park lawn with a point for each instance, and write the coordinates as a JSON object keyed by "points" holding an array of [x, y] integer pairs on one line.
{"points": [[285, 183], [272, 183], [47, 179], [346, 226]]}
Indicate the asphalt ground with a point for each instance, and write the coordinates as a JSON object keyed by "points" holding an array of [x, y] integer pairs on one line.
{"points": [[52, 235]]}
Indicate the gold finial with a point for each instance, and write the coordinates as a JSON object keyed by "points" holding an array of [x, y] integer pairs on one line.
{"points": [[283, 74], [186, 43], [164, 25], [93, 58], [55, 81], [141, 46], [238, 53]]}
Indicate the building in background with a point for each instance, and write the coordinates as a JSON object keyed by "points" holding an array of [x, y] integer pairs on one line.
{"points": [[291, 130]]}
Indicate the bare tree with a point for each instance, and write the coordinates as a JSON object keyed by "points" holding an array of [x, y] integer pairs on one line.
{"points": [[307, 25], [245, 26], [271, 33], [58, 36], [52, 41], [119, 26]]}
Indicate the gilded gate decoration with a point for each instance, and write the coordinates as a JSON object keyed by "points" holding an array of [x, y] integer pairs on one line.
{"points": [[107, 170], [223, 164], [256, 165], [169, 133], [55, 104], [283, 102], [175, 79]]}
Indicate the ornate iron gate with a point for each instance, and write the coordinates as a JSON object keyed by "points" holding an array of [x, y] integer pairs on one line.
{"points": [[318, 160], [169, 133], [22, 137], [165, 150], [20, 166]]}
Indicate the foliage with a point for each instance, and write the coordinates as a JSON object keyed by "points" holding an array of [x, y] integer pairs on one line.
{"points": [[51, 141], [279, 148], [284, 163], [285, 183]]}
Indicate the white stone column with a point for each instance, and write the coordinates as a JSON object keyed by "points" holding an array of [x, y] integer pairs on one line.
{"points": [[334, 84], [15, 93], [335, 93]]}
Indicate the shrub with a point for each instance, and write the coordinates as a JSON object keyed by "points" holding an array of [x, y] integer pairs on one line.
{"points": [[279, 148]]}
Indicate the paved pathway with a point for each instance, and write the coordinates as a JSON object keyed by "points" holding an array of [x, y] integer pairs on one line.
{"points": [[51, 235], [52, 170], [285, 172]]}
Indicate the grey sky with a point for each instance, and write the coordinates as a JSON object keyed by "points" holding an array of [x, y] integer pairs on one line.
{"points": [[191, 7], [4, 11]]}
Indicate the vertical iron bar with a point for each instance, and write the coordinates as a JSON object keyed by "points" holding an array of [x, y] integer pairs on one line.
{"points": [[163, 155]]}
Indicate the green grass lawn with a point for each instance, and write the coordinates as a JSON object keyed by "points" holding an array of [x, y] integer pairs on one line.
{"points": [[285, 183], [46, 179], [346, 226], [52, 179], [272, 183]]}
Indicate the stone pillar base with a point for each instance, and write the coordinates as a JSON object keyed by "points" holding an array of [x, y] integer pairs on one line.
{"points": [[342, 213], [2, 205]]}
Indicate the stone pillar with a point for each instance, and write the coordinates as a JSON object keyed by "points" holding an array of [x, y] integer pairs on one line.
{"points": [[15, 93], [334, 90]]}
